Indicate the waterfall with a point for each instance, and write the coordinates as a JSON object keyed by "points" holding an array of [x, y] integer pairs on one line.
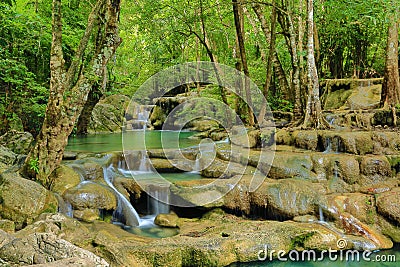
{"points": [[140, 118], [328, 148], [158, 199], [321, 215], [196, 168], [124, 208], [135, 163]]}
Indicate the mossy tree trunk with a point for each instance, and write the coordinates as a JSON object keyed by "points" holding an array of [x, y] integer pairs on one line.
{"points": [[69, 88], [391, 86]]}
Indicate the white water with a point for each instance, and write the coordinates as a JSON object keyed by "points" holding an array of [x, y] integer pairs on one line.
{"points": [[124, 206], [321, 215], [196, 167]]}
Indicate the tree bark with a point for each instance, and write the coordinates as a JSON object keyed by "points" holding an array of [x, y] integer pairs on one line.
{"points": [[313, 117], [269, 63], [239, 34], [69, 89], [390, 96], [283, 83]]}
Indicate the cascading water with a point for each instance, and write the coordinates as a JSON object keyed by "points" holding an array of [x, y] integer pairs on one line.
{"points": [[158, 199], [125, 208], [141, 118]]}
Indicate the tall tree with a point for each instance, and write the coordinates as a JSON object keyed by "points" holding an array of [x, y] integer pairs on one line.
{"points": [[240, 39], [69, 88], [391, 86], [313, 116]]}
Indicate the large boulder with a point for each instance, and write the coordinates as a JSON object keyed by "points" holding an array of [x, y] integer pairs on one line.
{"points": [[306, 139], [388, 204], [290, 165], [23, 200], [41, 248], [108, 114], [7, 158], [289, 197], [89, 195], [17, 142], [64, 177], [374, 169]]}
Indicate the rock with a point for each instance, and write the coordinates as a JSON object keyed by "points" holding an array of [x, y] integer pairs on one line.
{"points": [[248, 139], [40, 248], [17, 142], [105, 119], [87, 215], [306, 139], [108, 114], [166, 220], [128, 187], [23, 200], [202, 125], [223, 169], [283, 137], [7, 226], [305, 218], [7, 158], [388, 204], [68, 155], [89, 195], [70, 262], [157, 118], [163, 165], [92, 171], [290, 165], [329, 165], [289, 197], [375, 169], [361, 206], [64, 177]]}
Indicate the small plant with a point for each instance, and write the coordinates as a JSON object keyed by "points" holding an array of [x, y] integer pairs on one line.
{"points": [[34, 165]]}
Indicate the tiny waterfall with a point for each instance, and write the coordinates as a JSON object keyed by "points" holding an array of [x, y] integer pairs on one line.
{"points": [[140, 118], [124, 208], [135, 162], [158, 199], [321, 215], [196, 167]]}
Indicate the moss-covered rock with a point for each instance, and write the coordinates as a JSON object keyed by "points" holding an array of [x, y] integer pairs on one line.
{"points": [[166, 220], [17, 142], [388, 204], [89, 195], [306, 139], [63, 178], [23, 200]]}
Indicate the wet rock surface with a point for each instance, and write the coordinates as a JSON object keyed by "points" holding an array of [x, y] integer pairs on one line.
{"points": [[89, 195]]}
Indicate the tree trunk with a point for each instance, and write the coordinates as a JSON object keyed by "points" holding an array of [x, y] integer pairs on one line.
{"points": [[313, 117], [283, 83], [94, 97], [271, 53], [239, 34], [69, 89], [391, 87]]}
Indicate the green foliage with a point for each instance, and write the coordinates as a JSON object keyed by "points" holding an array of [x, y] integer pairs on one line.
{"points": [[34, 165]]}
